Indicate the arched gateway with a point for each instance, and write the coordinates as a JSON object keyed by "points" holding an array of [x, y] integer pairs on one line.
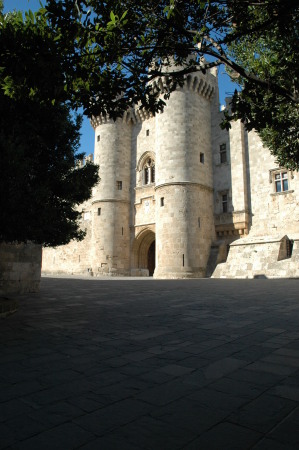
{"points": [[144, 253]]}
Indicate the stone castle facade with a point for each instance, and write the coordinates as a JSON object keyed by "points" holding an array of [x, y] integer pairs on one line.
{"points": [[179, 197]]}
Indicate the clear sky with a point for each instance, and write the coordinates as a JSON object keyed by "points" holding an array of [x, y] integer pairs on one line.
{"points": [[87, 133], [226, 88]]}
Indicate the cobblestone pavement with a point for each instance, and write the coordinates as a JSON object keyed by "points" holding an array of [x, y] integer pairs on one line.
{"points": [[133, 364]]}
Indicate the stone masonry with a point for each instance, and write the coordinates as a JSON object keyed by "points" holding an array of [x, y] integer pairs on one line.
{"points": [[20, 268], [179, 197]]}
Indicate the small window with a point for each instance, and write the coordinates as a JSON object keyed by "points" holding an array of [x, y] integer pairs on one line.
{"points": [[153, 174], [119, 185], [289, 245], [146, 175], [98, 138], [149, 171], [202, 158], [162, 201], [147, 132], [224, 203], [99, 211], [281, 181], [223, 154]]}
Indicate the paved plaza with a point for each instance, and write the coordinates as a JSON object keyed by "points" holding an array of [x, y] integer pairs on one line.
{"points": [[143, 364]]}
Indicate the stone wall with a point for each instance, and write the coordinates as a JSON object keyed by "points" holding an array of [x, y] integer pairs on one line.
{"points": [[198, 204], [75, 257], [264, 257], [184, 230], [254, 208], [272, 213], [20, 268]]}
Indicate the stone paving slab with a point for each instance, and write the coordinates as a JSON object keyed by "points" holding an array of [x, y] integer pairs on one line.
{"points": [[7, 306], [143, 364]]}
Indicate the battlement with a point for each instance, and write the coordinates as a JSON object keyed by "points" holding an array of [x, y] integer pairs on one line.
{"points": [[104, 118], [176, 191], [197, 82], [84, 160]]}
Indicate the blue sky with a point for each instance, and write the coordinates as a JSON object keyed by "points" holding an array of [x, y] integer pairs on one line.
{"points": [[20, 4], [87, 133], [226, 88]]}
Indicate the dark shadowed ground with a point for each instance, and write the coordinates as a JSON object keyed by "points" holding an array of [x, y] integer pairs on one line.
{"points": [[133, 364]]}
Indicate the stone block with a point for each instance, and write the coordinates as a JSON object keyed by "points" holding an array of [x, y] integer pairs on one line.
{"points": [[20, 268]]}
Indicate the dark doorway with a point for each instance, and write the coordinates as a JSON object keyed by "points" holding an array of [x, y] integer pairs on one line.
{"points": [[151, 258]]}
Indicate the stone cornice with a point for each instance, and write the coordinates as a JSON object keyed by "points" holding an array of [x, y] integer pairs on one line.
{"points": [[110, 200], [145, 198], [184, 183], [143, 225]]}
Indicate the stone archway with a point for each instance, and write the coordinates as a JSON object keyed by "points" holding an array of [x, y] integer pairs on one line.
{"points": [[144, 253]]}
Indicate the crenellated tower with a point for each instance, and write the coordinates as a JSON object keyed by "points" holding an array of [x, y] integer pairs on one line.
{"points": [[184, 180], [176, 190], [110, 240]]}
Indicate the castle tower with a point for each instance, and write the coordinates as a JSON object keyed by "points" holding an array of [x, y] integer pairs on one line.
{"points": [[110, 241], [184, 184]]}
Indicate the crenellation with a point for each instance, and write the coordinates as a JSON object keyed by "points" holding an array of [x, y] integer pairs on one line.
{"points": [[179, 197]]}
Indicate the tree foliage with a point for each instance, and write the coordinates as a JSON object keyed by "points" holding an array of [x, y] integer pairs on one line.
{"points": [[115, 48], [39, 136], [270, 55], [102, 56]]}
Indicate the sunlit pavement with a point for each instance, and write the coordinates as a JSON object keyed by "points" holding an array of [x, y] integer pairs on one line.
{"points": [[132, 364]]}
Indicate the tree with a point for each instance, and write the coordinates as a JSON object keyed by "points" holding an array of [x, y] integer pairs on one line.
{"points": [[39, 137], [116, 48], [271, 55]]}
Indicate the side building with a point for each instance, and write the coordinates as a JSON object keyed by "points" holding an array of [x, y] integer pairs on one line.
{"points": [[179, 197]]}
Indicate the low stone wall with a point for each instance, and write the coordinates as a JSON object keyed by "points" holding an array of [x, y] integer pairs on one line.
{"points": [[260, 257], [20, 268]]}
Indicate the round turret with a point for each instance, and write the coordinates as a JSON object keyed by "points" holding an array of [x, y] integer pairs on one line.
{"points": [[111, 197], [184, 182]]}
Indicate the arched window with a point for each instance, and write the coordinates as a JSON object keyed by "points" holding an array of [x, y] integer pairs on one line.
{"points": [[149, 171], [146, 174]]}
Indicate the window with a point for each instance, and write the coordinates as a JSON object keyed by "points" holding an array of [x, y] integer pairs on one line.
{"points": [[281, 181], [99, 211], [98, 138], [223, 154], [285, 248], [153, 174], [146, 175], [119, 185], [147, 132], [289, 245], [149, 171], [224, 203], [162, 201], [202, 158]]}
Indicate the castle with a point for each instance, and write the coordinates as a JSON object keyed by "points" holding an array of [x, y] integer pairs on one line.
{"points": [[179, 197]]}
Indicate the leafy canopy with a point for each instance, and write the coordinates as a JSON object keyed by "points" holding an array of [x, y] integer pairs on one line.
{"points": [[39, 136], [272, 56], [115, 48]]}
